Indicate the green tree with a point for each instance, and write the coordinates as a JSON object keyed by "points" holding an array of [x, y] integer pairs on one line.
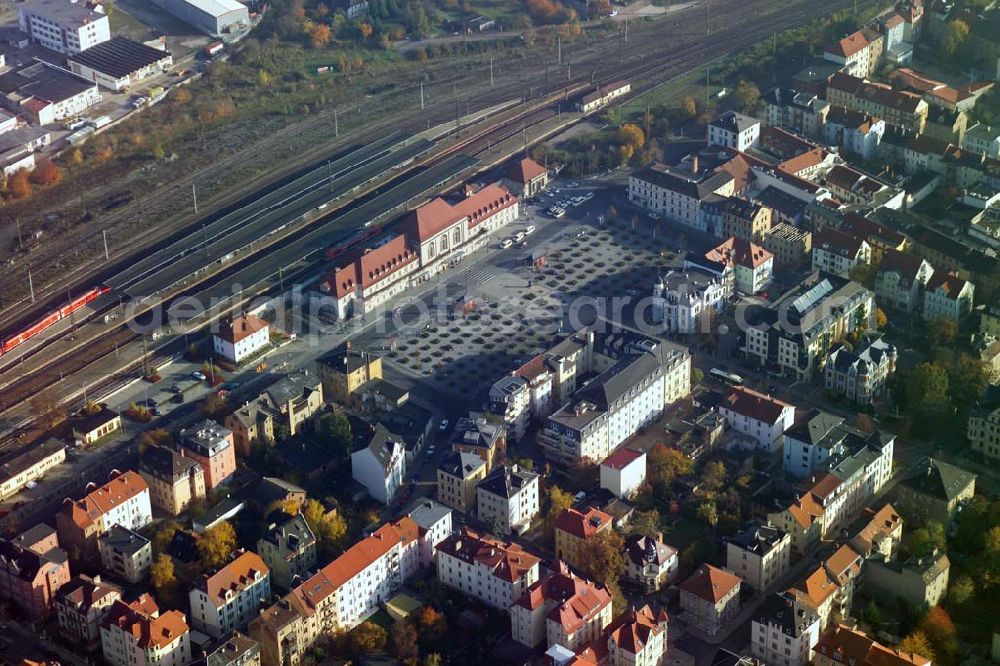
{"points": [[746, 96], [404, 640], [368, 637], [917, 643], [216, 545], [926, 386], [161, 574], [961, 591], [646, 523], [329, 527], [714, 475], [871, 613], [164, 535], [666, 464], [925, 540], [433, 659], [968, 380], [559, 501], [603, 557], [708, 513], [955, 35], [864, 274], [335, 433], [941, 332]]}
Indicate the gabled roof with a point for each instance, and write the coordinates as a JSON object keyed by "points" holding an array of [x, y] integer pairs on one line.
{"points": [[752, 404], [239, 328], [710, 583], [939, 479], [848, 46], [837, 242], [525, 170], [806, 511], [815, 588], [83, 592], [242, 572], [622, 458], [572, 601], [844, 564], [848, 646], [505, 560], [142, 620], [905, 264], [633, 630], [100, 501], [946, 283], [740, 252]]}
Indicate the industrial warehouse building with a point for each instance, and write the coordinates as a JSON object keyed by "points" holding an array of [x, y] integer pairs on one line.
{"points": [[120, 63], [215, 17], [45, 93]]}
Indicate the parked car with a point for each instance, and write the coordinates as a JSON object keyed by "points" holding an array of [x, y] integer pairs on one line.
{"points": [[444, 425], [200, 376], [506, 243], [530, 229]]}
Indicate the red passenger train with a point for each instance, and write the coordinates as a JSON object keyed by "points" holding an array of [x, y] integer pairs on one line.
{"points": [[52, 317]]}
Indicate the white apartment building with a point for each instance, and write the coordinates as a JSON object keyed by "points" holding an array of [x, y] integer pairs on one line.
{"points": [[860, 376], [623, 472], [63, 26], [858, 53], [508, 499], [900, 281], [435, 522], [125, 555], [684, 300], [947, 297], [562, 609], [241, 337], [836, 252], [759, 553], [855, 132], [510, 398], [137, 634], [760, 417], [982, 140], [734, 130], [124, 500], [752, 265], [226, 601], [381, 466], [638, 638], [804, 113], [494, 572], [783, 633], [679, 194]]}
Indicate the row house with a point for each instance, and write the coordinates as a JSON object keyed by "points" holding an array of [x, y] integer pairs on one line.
{"points": [[175, 480], [496, 573], [138, 634], [881, 534], [802, 520], [227, 599], [284, 406], [458, 476], [508, 499], [947, 126], [838, 252], [983, 427], [759, 417], [734, 130], [855, 132], [81, 606], [573, 528], [797, 330], [861, 376], [801, 112], [125, 555], [744, 219], [124, 500], [679, 194], [852, 186], [759, 553], [982, 140], [345, 370], [435, 522], [879, 237], [561, 609], [858, 54], [790, 245], [897, 108], [900, 281], [434, 236]]}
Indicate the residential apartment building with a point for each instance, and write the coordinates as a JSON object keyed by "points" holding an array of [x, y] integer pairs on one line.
{"points": [[137, 634], [744, 219], [238, 650], [623, 472], [345, 370], [435, 523], [790, 245], [573, 528], [458, 475], [281, 634], [801, 112], [759, 554], [760, 417], [983, 427], [638, 378], [30, 580], [982, 140], [837, 252], [21, 469], [922, 582], [843, 645], [288, 548], [897, 108], [861, 376], [212, 446], [900, 281], [734, 130], [881, 535], [752, 266], [858, 54], [434, 236], [844, 569], [81, 606], [679, 194], [637, 637], [686, 301], [508, 499], [227, 599], [854, 132], [124, 500], [935, 491], [496, 573], [561, 609], [782, 634], [381, 466], [284, 407], [62, 26], [510, 398], [174, 479], [125, 555], [816, 592], [241, 338], [947, 297], [797, 330], [480, 437], [802, 520], [710, 598], [650, 563]]}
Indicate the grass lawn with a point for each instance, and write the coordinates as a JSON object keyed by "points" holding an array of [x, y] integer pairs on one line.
{"points": [[671, 93]]}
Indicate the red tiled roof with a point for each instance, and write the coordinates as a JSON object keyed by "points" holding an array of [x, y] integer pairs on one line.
{"points": [[234, 576], [485, 203], [848, 646], [845, 82], [894, 21], [739, 251], [437, 215], [362, 554], [632, 631], [806, 511], [583, 525], [524, 171], [574, 600], [100, 501], [758, 406], [710, 583], [240, 328], [821, 486], [946, 283], [844, 564], [885, 521], [814, 588], [370, 266], [506, 560], [622, 458], [849, 45], [806, 160], [143, 621]]}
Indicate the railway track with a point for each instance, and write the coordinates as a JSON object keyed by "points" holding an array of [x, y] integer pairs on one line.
{"points": [[656, 66]]}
